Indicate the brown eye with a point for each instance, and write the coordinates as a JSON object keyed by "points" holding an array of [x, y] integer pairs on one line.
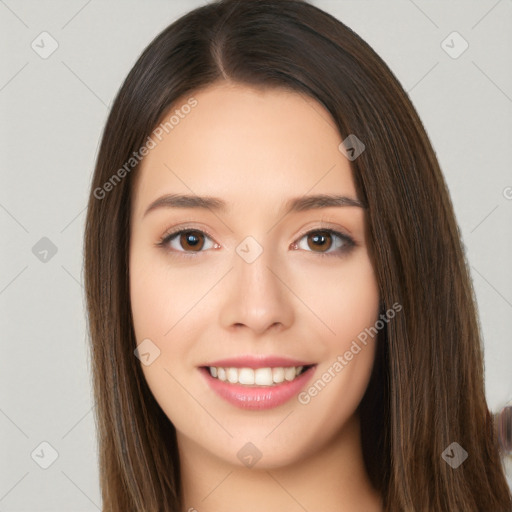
{"points": [[191, 240], [187, 241], [319, 240], [325, 242]]}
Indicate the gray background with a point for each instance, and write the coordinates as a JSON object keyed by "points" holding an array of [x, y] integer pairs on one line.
{"points": [[53, 113]]}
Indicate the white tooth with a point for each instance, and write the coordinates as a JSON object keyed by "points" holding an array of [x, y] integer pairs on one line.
{"points": [[263, 376], [246, 376], [278, 375], [290, 373], [259, 376], [232, 375]]}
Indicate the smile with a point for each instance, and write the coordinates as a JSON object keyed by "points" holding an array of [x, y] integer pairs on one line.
{"points": [[255, 386]]}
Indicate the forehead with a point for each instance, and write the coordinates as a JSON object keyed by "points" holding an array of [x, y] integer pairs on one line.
{"points": [[247, 145]]}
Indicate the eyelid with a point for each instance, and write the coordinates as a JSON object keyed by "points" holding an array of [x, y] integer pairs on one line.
{"points": [[348, 242], [324, 226], [176, 230]]}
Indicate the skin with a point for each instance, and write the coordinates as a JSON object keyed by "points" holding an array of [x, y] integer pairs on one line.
{"points": [[255, 149]]}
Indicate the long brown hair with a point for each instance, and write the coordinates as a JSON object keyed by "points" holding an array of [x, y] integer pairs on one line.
{"points": [[427, 387]]}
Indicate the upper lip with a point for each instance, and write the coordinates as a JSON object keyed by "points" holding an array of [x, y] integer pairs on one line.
{"points": [[251, 361]]}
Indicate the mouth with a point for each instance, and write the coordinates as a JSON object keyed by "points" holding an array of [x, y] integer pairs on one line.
{"points": [[257, 387]]}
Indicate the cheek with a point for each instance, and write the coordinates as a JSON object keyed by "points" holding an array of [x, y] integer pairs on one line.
{"points": [[358, 306], [164, 293], [345, 298], [161, 302], [350, 307], [168, 301]]}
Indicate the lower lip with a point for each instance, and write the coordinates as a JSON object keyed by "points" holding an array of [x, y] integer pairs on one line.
{"points": [[258, 397]]}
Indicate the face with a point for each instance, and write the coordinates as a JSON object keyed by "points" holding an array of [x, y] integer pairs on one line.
{"points": [[266, 294]]}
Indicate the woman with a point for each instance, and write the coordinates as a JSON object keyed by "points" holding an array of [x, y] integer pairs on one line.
{"points": [[239, 365]]}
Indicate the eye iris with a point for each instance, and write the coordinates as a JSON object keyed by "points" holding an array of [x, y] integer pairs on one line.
{"points": [[190, 239], [319, 238]]}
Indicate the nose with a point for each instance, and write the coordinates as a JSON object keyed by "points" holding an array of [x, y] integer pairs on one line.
{"points": [[256, 295]]}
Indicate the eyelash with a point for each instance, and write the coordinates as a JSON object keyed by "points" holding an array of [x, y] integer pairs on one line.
{"points": [[349, 243]]}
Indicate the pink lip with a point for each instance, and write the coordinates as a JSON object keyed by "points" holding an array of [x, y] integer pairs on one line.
{"points": [[257, 362], [257, 397]]}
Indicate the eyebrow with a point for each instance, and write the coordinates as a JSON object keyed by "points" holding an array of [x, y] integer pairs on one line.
{"points": [[296, 204]]}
